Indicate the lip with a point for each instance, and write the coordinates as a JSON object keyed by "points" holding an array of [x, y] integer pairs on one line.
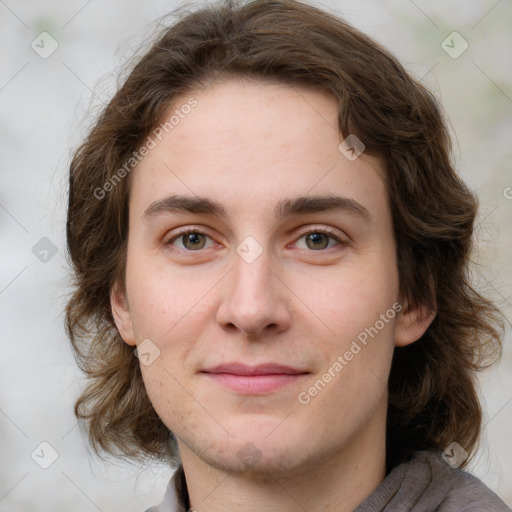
{"points": [[255, 380], [260, 369]]}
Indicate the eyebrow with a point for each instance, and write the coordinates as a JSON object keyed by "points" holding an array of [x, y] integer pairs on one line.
{"points": [[287, 207]]}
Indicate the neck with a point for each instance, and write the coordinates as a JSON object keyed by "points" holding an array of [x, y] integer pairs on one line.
{"points": [[339, 481]]}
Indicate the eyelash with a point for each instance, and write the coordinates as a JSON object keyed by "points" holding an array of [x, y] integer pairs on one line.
{"points": [[191, 230]]}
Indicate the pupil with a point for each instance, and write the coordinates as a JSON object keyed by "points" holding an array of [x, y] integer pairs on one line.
{"points": [[193, 238], [315, 237]]}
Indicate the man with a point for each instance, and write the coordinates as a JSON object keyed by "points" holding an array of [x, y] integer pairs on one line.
{"points": [[271, 249]]}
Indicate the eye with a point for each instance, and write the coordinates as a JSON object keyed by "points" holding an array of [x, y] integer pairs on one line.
{"points": [[191, 238], [318, 239]]}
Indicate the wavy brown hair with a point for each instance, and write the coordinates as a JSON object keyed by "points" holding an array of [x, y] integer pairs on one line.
{"points": [[433, 396]]}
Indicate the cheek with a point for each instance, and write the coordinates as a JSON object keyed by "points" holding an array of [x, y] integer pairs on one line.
{"points": [[161, 298], [360, 309], [164, 391], [352, 296]]}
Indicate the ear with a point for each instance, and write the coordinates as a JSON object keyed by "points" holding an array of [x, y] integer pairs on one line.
{"points": [[121, 314], [412, 322]]}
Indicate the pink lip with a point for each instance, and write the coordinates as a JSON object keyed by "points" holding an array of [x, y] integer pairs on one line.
{"points": [[258, 379]]}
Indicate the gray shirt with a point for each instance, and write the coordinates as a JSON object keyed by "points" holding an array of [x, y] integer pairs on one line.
{"points": [[426, 483]]}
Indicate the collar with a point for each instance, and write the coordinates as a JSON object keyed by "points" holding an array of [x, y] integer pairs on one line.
{"points": [[176, 494]]}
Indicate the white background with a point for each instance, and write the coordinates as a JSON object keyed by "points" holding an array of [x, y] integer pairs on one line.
{"points": [[46, 106]]}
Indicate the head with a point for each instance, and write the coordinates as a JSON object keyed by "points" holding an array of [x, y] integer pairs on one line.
{"points": [[328, 231]]}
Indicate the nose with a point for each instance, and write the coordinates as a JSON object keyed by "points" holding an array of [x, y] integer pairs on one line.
{"points": [[255, 301]]}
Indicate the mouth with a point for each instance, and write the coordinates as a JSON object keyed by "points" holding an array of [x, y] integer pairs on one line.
{"points": [[254, 380]]}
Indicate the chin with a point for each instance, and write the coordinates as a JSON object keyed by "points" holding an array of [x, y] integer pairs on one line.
{"points": [[258, 445], [248, 460]]}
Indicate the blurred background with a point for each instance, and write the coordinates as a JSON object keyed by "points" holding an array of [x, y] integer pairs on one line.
{"points": [[59, 64]]}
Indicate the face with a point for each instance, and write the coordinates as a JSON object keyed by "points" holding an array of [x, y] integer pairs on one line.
{"points": [[298, 299]]}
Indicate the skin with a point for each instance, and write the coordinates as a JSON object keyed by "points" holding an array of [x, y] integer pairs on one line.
{"points": [[249, 145]]}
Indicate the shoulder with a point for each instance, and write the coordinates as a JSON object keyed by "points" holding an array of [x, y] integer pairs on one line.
{"points": [[469, 494], [427, 483], [456, 490]]}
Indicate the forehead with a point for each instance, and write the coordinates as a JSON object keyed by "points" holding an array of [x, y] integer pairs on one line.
{"points": [[242, 142]]}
